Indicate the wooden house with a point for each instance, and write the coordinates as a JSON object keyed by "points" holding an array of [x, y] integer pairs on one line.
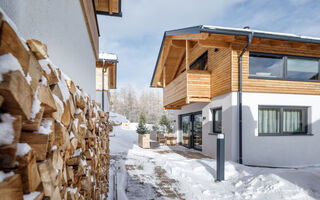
{"points": [[260, 89]]}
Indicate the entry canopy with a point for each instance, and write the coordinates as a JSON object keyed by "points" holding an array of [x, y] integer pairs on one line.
{"points": [[177, 43]]}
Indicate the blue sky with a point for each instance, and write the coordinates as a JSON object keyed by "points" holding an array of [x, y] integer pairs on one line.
{"points": [[137, 36]]}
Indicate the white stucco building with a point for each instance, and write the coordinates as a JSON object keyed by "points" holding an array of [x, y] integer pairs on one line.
{"points": [[260, 89]]}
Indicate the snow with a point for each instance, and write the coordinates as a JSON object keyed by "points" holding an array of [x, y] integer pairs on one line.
{"points": [[58, 101], [64, 89], [28, 78], [78, 111], [117, 118], [54, 147], [5, 175], [45, 127], [108, 57], [71, 135], [71, 190], [35, 104], [194, 178], [6, 127], [8, 20], [9, 63], [77, 152], [258, 31], [31, 196], [22, 149], [44, 64], [44, 81]]}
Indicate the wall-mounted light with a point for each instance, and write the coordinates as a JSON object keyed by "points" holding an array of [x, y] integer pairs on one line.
{"points": [[174, 121], [204, 118], [216, 49]]}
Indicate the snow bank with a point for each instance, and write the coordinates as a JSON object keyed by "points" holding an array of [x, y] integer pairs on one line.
{"points": [[117, 118], [6, 127]]}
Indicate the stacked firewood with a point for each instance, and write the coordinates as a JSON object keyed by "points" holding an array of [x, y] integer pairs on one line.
{"points": [[54, 141]]}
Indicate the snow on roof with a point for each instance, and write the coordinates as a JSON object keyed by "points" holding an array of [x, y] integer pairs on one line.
{"points": [[108, 56], [258, 31]]}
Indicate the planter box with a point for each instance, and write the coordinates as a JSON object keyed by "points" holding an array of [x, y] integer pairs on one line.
{"points": [[144, 141], [171, 138]]}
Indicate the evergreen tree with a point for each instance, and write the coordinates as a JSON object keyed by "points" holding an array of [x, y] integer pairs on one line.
{"points": [[165, 124], [142, 128]]}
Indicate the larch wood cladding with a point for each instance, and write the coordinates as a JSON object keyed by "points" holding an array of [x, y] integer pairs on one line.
{"points": [[189, 87], [198, 85], [271, 86], [220, 67], [176, 90]]}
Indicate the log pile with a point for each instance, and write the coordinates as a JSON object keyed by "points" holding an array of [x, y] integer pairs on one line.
{"points": [[54, 141]]}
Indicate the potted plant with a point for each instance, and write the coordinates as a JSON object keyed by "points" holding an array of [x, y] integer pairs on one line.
{"points": [[143, 133], [167, 130]]}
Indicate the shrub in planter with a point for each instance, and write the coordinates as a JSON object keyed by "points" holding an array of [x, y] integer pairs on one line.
{"points": [[144, 137]]}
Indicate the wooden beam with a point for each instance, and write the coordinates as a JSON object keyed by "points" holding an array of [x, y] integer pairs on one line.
{"points": [[195, 36], [178, 43], [164, 77], [214, 43], [162, 61], [177, 65], [187, 55], [110, 6]]}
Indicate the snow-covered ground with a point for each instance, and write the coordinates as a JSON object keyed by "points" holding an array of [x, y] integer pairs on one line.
{"points": [[180, 173]]}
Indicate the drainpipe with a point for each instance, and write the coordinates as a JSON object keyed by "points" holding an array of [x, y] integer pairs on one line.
{"points": [[103, 66], [250, 35]]}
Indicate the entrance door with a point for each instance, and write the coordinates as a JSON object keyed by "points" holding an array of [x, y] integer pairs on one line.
{"points": [[191, 129]]}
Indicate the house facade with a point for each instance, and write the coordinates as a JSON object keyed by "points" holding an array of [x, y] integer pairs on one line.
{"points": [[69, 29], [260, 89]]}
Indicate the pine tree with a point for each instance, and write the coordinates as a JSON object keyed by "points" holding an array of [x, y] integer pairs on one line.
{"points": [[165, 124], [142, 128]]}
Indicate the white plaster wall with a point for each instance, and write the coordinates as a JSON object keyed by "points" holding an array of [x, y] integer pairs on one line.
{"points": [[229, 118], [61, 25], [106, 100], [229, 124], [280, 150]]}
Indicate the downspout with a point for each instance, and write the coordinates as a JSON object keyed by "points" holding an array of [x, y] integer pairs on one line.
{"points": [[250, 35], [103, 66]]}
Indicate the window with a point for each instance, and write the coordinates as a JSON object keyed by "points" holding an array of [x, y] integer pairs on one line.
{"points": [[200, 63], [302, 69], [282, 120], [283, 67], [217, 120], [266, 66]]}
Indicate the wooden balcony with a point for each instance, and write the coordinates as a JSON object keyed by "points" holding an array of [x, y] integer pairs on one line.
{"points": [[189, 87]]}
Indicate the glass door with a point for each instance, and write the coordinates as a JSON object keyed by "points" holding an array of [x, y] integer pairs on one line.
{"points": [[186, 130], [197, 131], [191, 130]]}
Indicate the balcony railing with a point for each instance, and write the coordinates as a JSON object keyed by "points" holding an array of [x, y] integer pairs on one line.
{"points": [[189, 87]]}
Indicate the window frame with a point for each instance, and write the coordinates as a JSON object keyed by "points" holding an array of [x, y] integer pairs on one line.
{"points": [[284, 67], [214, 110], [281, 132], [201, 59]]}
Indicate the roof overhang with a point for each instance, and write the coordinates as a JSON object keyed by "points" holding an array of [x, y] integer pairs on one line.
{"points": [[188, 33]]}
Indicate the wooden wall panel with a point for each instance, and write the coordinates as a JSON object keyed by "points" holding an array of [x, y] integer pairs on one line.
{"points": [[269, 86], [220, 67], [199, 84], [176, 90]]}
